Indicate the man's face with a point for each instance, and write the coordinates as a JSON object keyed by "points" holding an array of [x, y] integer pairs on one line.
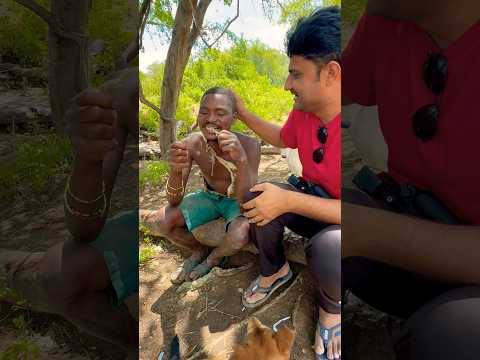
{"points": [[305, 83], [215, 114]]}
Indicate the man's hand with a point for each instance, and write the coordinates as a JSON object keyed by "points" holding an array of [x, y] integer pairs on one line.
{"points": [[241, 110], [91, 123], [230, 144], [266, 207], [178, 157]]}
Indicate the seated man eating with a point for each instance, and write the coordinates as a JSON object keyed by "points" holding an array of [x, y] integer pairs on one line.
{"points": [[229, 163]]}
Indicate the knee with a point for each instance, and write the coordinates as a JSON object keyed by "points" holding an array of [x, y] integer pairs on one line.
{"points": [[448, 321], [238, 237], [70, 271], [167, 219], [324, 250], [327, 242], [251, 195]]}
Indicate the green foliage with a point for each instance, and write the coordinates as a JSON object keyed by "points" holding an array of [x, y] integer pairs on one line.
{"points": [[146, 254], [40, 159], [153, 174], [7, 182], [113, 21], [28, 46], [23, 349], [292, 10], [352, 10], [253, 70]]}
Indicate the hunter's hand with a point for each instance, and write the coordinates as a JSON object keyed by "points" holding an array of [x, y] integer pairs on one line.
{"points": [[178, 157], [230, 144], [91, 123]]}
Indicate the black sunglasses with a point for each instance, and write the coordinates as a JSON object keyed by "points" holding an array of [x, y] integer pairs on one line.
{"points": [[322, 135], [435, 74]]}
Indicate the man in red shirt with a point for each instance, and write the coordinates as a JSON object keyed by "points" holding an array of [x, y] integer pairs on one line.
{"points": [[312, 209], [418, 63]]}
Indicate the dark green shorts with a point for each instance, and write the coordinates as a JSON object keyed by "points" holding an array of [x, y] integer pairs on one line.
{"points": [[118, 243], [201, 207]]}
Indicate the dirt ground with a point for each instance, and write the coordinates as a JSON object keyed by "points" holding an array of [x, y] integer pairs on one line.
{"points": [[207, 314], [34, 223]]}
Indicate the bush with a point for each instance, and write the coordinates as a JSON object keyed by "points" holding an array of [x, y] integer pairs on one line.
{"points": [[153, 174], [28, 46], [251, 69], [40, 159], [146, 254]]}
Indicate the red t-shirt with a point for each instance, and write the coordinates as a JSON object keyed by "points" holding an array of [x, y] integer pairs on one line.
{"points": [[300, 132], [382, 65]]}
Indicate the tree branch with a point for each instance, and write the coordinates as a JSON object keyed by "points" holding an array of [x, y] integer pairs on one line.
{"points": [[198, 16], [144, 12], [53, 24], [152, 106], [38, 10], [134, 47]]}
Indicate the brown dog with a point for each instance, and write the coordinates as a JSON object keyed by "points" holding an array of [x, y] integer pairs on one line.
{"points": [[264, 344]]}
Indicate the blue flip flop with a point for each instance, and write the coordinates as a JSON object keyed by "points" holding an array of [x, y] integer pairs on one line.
{"points": [[327, 335], [255, 288]]}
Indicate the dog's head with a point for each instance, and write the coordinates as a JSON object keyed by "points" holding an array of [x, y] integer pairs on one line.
{"points": [[264, 344]]}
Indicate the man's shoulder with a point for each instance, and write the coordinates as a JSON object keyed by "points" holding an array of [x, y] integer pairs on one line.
{"points": [[247, 139]]}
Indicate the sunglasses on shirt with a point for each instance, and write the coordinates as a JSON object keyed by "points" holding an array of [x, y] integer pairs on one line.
{"points": [[322, 135], [435, 74]]}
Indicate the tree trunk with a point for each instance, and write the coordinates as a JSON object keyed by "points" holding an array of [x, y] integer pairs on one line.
{"points": [[184, 34], [67, 54]]}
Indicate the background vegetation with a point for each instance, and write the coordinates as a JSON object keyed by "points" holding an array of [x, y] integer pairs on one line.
{"points": [[252, 69]]}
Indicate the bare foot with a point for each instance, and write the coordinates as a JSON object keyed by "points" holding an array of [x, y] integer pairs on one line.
{"points": [[334, 348], [204, 268], [266, 282], [182, 273]]}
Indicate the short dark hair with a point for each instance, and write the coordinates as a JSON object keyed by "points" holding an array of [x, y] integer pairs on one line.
{"points": [[317, 37], [221, 91]]}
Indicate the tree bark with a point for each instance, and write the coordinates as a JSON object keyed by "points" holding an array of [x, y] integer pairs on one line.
{"points": [[67, 52], [68, 57], [184, 34]]}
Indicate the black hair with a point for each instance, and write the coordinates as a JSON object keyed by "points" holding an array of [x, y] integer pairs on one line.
{"points": [[222, 91], [317, 37]]}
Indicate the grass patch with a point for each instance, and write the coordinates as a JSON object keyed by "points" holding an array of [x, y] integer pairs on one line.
{"points": [[154, 173], [146, 254], [38, 160], [8, 180], [23, 348]]}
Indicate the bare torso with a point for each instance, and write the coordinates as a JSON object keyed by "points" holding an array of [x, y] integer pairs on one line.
{"points": [[218, 178]]}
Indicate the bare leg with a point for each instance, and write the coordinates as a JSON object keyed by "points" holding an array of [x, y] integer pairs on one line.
{"points": [[236, 239], [170, 223], [69, 279]]}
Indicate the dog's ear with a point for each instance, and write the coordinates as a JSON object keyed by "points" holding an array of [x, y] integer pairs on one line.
{"points": [[254, 327], [284, 339]]}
